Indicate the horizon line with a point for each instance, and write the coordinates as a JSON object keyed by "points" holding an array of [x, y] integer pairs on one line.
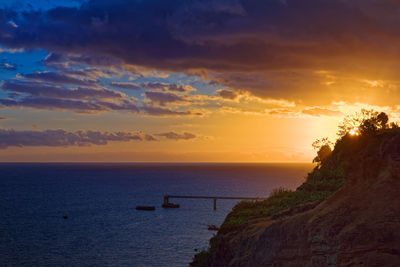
{"points": [[167, 162]]}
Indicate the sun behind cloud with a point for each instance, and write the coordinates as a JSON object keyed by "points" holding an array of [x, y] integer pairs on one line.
{"points": [[261, 79]]}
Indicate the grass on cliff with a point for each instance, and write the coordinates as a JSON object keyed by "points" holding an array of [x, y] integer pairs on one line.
{"points": [[320, 184]]}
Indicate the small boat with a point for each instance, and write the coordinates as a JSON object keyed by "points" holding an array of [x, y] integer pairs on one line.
{"points": [[145, 207], [213, 227], [170, 206]]}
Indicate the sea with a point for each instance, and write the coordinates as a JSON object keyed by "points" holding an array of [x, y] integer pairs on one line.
{"points": [[68, 214]]}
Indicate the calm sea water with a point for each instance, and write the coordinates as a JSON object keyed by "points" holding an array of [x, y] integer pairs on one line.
{"points": [[104, 228]]}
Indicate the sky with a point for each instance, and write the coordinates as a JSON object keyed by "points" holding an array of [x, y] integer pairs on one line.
{"points": [[190, 80]]}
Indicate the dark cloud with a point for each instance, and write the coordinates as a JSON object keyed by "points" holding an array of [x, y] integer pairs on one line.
{"points": [[124, 85], [44, 95], [159, 111], [248, 45], [177, 136], [228, 94], [243, 80], [167, 87], [55, 91], [65, 60], [60, 78], [55, 138], [149, 137], [164, 98], [216, 35], [78, 106], [41, 95]]}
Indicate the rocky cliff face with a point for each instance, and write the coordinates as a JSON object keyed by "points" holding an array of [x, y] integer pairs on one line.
{"points": [[359, 225]]}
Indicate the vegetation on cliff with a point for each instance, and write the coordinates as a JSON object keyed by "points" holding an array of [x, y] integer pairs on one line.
{"points": [[327, 177]]}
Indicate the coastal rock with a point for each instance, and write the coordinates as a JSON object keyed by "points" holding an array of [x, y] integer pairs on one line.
{"points": [[359, 225]]}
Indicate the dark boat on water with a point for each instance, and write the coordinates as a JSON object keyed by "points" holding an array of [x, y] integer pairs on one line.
{"points": [[145, 207], [170, 206]]}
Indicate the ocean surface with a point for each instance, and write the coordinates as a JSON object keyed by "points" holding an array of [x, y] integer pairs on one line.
{"points": [[104, 228]]}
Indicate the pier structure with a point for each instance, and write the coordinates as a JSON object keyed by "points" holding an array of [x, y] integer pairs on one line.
{"points": [[166, 202]]}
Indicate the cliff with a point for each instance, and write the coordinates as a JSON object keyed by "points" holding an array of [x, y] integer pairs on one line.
{"points": [[347, 213]]}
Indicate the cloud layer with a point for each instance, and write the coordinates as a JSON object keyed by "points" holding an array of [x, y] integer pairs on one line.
{"points": [[57, 138], [241, 35], [271, 48], [177, 136], [259, 33], [64, 138], [298, 51]]}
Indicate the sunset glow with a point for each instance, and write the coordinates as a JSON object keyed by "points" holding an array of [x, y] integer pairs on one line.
{"points": [[202, 81]]}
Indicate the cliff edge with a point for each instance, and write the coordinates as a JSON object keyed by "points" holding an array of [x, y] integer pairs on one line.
{"points": [[357, 224]]}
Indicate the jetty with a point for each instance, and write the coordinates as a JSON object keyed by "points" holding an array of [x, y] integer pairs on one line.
{"points": [[166, 202]]}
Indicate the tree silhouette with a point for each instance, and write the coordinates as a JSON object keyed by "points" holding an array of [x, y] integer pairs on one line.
{"points": [[323, 147], [367, 121]]}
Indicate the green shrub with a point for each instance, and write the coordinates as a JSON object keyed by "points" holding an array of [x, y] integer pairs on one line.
{"points": [[319, 184]]}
